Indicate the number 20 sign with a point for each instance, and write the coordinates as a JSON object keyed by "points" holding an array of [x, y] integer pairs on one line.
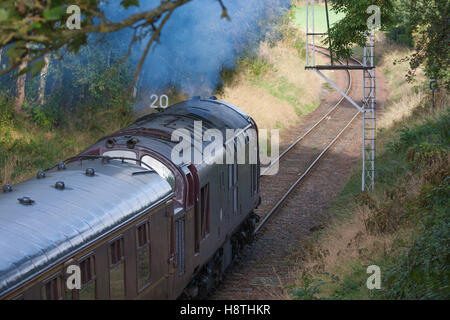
{"points": [[162, 99]]}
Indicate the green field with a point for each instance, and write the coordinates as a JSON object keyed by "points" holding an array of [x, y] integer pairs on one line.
{"points": [[319, 17]]}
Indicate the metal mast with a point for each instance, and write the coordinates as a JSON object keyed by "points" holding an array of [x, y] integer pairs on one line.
{"points": [[369, 88], [369, 118]]}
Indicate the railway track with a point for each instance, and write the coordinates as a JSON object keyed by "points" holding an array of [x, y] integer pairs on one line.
{"points": [[271, 260], [268, 209]]}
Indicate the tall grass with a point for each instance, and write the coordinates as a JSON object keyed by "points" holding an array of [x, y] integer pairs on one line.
{"points": [[403, 226]]}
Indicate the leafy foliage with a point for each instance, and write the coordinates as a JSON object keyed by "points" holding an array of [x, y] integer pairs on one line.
{"points": [[423, 271], [30, 29], [430, 29], [310, 289], [352, 28], [419, 23]]}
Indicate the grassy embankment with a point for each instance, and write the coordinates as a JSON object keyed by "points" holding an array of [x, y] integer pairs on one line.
{"points": [[403, 226], [272, 85]]}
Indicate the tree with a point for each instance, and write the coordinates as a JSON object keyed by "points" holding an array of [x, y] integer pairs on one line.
{"points": [[43, 25], [422, 23], [20, 86], [430, 36], [43, 79], [352, 29]]}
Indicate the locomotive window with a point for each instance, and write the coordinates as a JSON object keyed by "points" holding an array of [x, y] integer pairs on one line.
{"points": [[232, 175], [160, 168], [204, 226], [235, 200], [190, 190], [179, 242], [117, 270], [87, 291], [51, 290], [143, 255], [254, 179], [121, 153]]}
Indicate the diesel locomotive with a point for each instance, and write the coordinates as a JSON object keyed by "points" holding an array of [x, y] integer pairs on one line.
{"points": [[128, 219]]}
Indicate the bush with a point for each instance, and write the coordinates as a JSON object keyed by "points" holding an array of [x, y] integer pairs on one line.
{"points": [[6, 113], [423, 272]]}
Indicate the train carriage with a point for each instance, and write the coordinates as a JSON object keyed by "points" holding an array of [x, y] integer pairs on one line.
{"points": [[137, 223]]}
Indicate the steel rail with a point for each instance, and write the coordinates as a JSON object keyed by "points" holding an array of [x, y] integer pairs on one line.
{"points": [[305, 173], [300, 138]]}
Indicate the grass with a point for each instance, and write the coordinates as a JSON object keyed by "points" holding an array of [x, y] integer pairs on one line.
{"points": [[29, 143], [41, 136], [403, 226], [320, 19]]}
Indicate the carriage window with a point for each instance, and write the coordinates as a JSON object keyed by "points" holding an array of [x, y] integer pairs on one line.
{"points": [[87, 291], [121, 154], [51, 290], [117, 270], [204, 216], [160, 168], [143, 255]]}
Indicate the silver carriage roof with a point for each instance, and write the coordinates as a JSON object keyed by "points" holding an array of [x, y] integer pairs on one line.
{"points": [[60, 222]]}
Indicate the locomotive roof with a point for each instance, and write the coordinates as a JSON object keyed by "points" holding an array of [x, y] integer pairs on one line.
{"points": [[156, 129], [213, 113], [34, 237]]}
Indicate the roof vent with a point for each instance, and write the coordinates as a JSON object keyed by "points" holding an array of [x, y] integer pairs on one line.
{"points": [[61, 166], [7, 188], [132, 142], [26, 201], [60, 185], [90, 172], [40, 174], [110, 143]]}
